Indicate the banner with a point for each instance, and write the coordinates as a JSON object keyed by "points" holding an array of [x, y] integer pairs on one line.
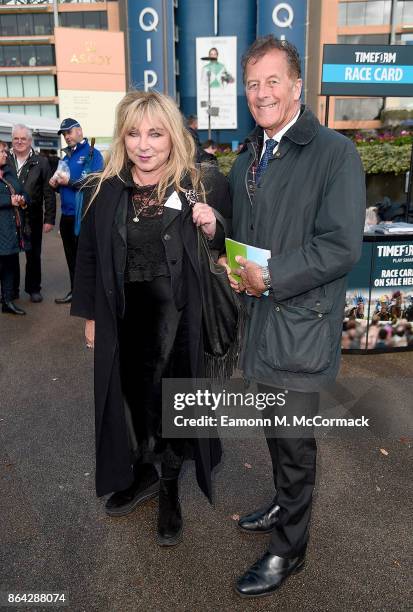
{"points": [[216, 76], [286, 20], [364, 70], [151, 42], [379, 300]]}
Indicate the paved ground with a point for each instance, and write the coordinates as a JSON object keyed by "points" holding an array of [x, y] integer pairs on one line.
{"points": [[55, 537]]}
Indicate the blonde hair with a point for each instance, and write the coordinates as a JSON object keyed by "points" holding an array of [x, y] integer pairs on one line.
{"points": [[130, 111]]}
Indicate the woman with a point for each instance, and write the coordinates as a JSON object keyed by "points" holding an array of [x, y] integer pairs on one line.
{"points": [[137, 286], [13, 231]]}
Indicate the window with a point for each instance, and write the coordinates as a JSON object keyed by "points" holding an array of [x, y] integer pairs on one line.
{"points": [[47, 86], [25, 24], [356, 13], [372, 12], [362, 109], [32, 109], [94, 20], [28, 86], [45, 55], [44, 110], [48, 110], [8, 25], [11, 56], [364, 39], [405, 12], [31, 86], [43, 24], [14, 86], [3, 87], [26, 55]]}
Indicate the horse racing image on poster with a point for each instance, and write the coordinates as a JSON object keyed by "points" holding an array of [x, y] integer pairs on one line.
{"points": [[379, 300], [216, 71]]}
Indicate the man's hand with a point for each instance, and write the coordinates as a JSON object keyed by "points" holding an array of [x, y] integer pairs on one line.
{"points": [[47, 227], [235, 285], [251, 276], [63, 179], [53, 182], [203, 216], [90, 333], [18, 200]]}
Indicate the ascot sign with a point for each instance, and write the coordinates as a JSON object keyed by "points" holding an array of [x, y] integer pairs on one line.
{"points": [[361, 70]]}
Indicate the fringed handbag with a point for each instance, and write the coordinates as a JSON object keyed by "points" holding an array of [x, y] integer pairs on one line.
{"points": [[222, 312]]}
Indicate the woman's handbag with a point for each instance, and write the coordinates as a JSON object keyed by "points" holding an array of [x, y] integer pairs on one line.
{"points": [[222, 312]]}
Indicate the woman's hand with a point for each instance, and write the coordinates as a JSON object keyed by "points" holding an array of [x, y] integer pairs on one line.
{"points": [[203, 217], [90, 333], [235, 285], [18, 200]]}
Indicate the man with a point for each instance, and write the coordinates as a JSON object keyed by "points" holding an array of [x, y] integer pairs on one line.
{"points": [[298, 190], [33, 172], [210, 146], [79, 155]]}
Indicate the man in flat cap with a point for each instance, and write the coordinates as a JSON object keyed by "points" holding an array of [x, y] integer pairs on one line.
{"points": [[79, 154]]}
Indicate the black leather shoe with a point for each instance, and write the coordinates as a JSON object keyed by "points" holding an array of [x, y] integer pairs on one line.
{"points": [[260, 521], [145, 486], [11, 308], [65, 300], [36, 297], [169, 517], [267, 575]]}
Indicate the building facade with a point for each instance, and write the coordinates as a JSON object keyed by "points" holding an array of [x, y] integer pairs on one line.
{"points": [[371, 22], [29, 79]]}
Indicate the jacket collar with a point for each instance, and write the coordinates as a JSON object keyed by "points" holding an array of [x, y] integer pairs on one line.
{"points": [[301, 132], [70, 150]]}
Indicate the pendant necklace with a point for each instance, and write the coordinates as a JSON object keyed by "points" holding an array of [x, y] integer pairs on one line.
{"points": [[136, 219]]}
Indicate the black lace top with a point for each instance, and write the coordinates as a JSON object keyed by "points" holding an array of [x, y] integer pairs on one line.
{"points": [[146, 257]]}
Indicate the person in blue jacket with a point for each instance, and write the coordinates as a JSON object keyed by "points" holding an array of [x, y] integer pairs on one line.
{"points": [[81, 158]]}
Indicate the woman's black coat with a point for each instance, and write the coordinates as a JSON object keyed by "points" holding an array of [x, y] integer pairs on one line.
{"points": [[98, 295]]}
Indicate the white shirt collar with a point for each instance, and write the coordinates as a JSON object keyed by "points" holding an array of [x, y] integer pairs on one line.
{"points": [[279, 134]]}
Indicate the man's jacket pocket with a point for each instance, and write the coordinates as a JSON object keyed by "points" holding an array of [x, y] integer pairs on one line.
{"points": [[297, 338]]}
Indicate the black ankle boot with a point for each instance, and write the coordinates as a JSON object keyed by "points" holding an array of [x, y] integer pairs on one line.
{"points": [[169, 517], [145, 486]]}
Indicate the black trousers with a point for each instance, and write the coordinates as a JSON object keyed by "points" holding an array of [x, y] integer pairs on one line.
{"points": [[153, 344], [294, 470], [67, 233], [33, 279], [8, 266]]}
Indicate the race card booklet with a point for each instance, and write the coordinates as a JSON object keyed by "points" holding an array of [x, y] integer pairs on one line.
{"points": [[255, 254]]}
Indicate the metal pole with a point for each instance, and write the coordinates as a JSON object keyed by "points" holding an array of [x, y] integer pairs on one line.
{"points": [[327, 110], [393, 22], [409, 187], [209, 103], [215, 17], [55, 14]]}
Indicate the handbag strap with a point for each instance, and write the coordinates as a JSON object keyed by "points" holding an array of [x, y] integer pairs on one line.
{"points": [[192, 199]]}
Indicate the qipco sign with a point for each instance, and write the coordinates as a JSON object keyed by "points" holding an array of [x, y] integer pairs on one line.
{"points": [[151, 45], [286, 20]]}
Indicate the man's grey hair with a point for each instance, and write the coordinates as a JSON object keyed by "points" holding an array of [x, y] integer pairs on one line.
{"points": [[21, 126]]}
